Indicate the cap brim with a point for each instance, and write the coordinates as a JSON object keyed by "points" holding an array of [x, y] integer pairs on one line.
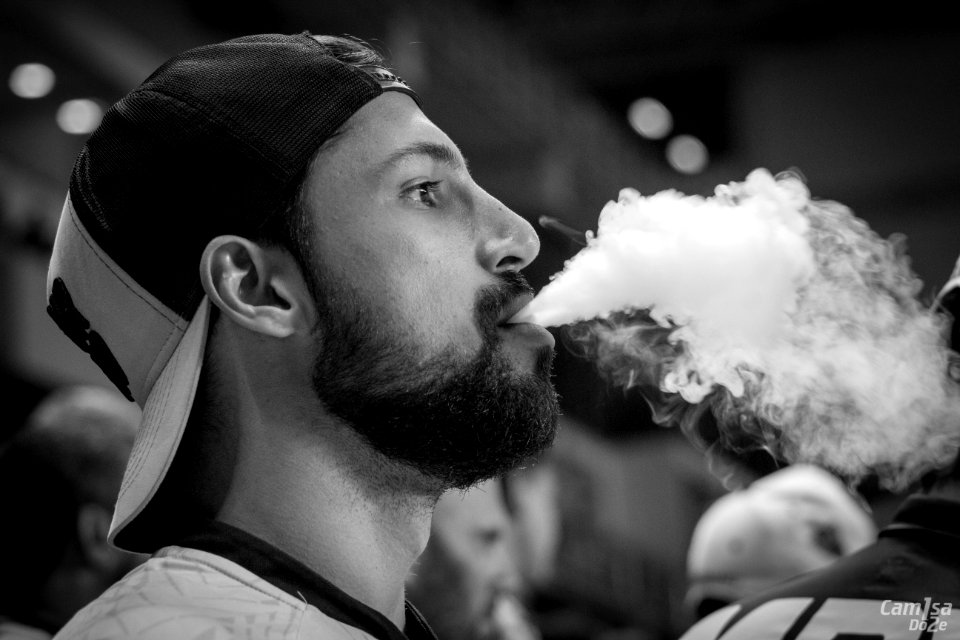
{"points": [[165, 415]]}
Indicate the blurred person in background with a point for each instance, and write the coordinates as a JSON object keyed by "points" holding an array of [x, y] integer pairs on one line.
{"points": [[467, 582], [791, 521], [906, 585], [271, 248], [532, 500], [59, 478]]}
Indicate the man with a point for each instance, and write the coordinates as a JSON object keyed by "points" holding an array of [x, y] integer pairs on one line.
{"points": [[59, 478], [467, 582], [279, 209], [904, 586]]}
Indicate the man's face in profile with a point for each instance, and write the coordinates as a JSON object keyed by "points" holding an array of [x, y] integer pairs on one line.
{"points": [[416, 273]]}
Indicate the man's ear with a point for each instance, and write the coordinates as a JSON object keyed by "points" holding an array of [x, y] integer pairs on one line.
{"points": [[260, 288], [93, 524]]}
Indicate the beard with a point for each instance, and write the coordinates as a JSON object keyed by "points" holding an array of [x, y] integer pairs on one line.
{"points": [[457, 419]]}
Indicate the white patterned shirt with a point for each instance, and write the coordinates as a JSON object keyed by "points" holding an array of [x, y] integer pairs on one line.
{"points": [[211, 593]]}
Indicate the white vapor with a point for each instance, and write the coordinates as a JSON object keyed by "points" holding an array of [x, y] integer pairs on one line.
{"points": [[797, 324]]}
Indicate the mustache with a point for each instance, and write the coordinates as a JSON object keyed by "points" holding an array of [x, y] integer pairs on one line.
{"points": [[493, 299]]}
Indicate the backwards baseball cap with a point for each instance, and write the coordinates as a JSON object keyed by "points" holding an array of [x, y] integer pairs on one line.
{"points": [[794, 520], [214, 142]]}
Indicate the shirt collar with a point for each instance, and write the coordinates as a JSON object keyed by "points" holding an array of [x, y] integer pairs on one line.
{"points": [[292, 576]]}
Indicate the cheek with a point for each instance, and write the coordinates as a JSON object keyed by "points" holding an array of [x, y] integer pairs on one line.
{"points": [[429, 293], [418, 273]]}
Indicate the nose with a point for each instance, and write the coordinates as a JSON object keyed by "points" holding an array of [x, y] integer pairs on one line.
{"points": [[508, 242]]}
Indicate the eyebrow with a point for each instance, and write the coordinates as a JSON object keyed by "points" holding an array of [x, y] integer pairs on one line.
{"points": [[437, 152]]}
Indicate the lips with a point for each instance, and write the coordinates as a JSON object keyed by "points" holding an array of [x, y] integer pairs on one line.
{"points": [[511, 309]]}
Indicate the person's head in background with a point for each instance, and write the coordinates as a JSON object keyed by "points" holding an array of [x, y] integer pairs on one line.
{"points": [[466, 582], [794, 520], [59, 478]]}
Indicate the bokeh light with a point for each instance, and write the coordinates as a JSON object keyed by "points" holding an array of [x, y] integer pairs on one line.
{"points": [[687, 154], [79, 116], [32, 80], [650, 118]]}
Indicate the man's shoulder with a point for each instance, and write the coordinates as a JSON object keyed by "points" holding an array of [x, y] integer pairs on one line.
{"points": [[185, 593], [878, 591], [829, 617]]}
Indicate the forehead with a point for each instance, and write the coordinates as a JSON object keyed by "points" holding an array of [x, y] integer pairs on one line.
{"points": [[375, 138]]}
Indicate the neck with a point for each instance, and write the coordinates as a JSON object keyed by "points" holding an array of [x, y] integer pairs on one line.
{"points": [[320, 494]]}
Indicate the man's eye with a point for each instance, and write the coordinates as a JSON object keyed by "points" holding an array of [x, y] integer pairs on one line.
{"points": [[424, 193]]}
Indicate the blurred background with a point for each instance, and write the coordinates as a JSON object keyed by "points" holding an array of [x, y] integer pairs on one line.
{"points": [[557, 104]]}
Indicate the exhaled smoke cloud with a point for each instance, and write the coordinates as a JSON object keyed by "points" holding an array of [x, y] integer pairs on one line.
{"points": [[787, 317]]}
